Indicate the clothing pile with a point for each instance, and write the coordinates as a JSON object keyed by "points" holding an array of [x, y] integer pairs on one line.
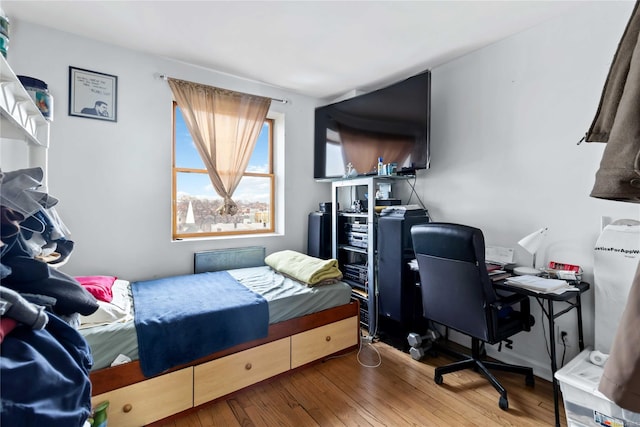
{"points": [[39, 311], [618, 178]]}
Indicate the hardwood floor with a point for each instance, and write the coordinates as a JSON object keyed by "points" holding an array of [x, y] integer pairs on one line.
{"points": [[398, 392]]}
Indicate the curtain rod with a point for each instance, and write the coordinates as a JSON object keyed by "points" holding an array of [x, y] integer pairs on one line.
{"points": [[283, 100]]}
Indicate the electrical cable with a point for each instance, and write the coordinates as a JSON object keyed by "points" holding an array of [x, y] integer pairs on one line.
{"points": [[564, 345], [544, 331], [370, 344], [372, 336], [413, 191], [369, 341]]}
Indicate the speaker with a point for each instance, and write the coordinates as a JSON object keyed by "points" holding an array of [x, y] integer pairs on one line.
{"points": [[319, 235], [397, 291]]}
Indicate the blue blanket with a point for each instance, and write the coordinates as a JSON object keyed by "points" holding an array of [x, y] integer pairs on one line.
{"points": [[182, 318]]}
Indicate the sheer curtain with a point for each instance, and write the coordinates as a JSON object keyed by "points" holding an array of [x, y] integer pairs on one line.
{"points": [[225, 126]]}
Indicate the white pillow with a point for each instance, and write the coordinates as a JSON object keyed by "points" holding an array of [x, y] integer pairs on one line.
{"points": [[118, 310]]}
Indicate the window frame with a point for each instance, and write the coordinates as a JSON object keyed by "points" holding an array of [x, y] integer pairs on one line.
{"points": [[175, 170]]}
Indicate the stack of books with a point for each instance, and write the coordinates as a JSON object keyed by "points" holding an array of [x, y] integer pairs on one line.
{"points": [[497, 275], [539, 284]]}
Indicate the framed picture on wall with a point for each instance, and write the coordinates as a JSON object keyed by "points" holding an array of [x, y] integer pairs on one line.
{"points": [[93, 95]]}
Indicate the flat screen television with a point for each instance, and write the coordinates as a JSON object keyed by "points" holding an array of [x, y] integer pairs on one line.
{"points": [[392, 123]]}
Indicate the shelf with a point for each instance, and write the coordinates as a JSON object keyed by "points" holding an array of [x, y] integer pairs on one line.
{"points": [[384, 284], [342, 235], [353, 214], [353, 249], [24, 132], [359, 293], [357, 287], [21, 119], [348, 181]]}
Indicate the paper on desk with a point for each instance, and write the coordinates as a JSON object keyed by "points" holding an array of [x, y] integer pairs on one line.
{"points": [[539, 284], [569, 288], [498, 255]]}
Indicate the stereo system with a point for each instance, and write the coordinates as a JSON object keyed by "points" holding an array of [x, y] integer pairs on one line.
{"points": [[364, 308], [356, 234], [359, 240], [357, 273], [355, 226]]}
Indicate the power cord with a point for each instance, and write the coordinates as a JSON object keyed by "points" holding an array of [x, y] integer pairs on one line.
{"points": [[413, 191], [364, 340], [368, 342], [544, 330], [563, 336]]}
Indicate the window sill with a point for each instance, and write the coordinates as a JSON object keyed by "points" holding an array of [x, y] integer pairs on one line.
{"points": [[227, 237]]}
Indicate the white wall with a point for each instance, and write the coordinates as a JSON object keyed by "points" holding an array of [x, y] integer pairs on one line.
{"points": [[505, 123], [114, 179]]}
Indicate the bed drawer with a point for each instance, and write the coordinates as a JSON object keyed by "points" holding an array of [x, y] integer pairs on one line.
{"points": [[322, 341], [230, 373], [150, 400]]}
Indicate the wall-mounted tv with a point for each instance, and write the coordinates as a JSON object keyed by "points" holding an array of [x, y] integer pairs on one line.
{"points": [[392, 123]]}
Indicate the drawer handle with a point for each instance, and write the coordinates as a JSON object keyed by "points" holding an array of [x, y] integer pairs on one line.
{"points": [[127, 408], [247, 366], [328, 338]]}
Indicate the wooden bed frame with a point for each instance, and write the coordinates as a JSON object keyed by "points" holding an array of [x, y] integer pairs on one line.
{"points": [[135, 400]]}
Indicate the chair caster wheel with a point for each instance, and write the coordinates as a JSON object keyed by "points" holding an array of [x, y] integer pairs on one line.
{"points": [[529, 381], [503, 403], [438, 379]]}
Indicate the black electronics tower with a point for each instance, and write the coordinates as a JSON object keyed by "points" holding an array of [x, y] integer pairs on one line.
{"points": [[319, 235], [398, 290]]}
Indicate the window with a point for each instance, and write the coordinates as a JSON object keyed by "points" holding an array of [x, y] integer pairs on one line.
{"points": [[195, 201]]}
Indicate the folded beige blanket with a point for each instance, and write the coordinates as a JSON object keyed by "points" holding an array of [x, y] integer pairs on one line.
{"points": [[304, 268]]}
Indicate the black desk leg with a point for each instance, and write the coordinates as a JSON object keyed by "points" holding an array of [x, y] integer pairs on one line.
{"points": [[554, 365], [580, 337]]}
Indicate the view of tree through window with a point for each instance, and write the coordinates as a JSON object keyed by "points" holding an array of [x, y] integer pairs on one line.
{"points": [[195, 201]]}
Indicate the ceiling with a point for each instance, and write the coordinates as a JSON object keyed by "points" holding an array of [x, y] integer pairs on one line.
{"points": [[322, 49]]}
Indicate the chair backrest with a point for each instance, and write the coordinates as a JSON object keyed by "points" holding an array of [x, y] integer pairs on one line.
{"points": [[456, 289]]}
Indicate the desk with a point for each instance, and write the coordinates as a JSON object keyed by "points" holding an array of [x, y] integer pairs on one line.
{"points": [[573, 300]]}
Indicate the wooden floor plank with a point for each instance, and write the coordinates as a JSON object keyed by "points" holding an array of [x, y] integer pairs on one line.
{"points": [[319, 400], [399, 392], [220, 414]]}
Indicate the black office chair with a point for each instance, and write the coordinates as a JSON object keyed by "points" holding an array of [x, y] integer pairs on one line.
{"points": [[458, 293]]}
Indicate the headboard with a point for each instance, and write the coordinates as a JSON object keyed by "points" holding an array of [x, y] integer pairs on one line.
{"points": [[228, 259]]}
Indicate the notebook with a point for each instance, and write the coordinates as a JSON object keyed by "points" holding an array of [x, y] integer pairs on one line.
{"points": [[492, 267], [538, 284]]}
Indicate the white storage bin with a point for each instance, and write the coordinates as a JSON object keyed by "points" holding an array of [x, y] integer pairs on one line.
{"points": [[584, 405]]}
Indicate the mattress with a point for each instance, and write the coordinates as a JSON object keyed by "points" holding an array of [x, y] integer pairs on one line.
{"points": [[286, 298]]}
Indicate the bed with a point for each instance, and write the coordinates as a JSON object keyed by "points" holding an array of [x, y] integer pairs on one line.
{"points": [[304, 324]]}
